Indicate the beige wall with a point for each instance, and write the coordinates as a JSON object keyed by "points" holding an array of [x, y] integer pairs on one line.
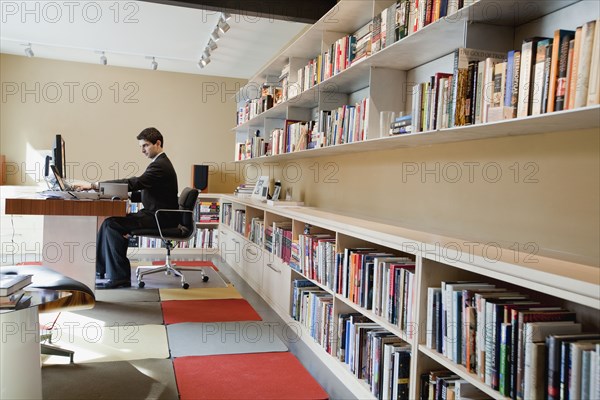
{"points": [[546, 199], [541, 192], [99, 110]]}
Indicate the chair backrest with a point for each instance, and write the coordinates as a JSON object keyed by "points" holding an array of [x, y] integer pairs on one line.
{"points": [[187, 201]]}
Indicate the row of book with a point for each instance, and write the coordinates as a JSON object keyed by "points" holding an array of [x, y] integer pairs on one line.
{"points": [[204, 238], [207, 211], [257, 231], [270, 96], [393, 23], [446, 385], [511, 342], [278, 239], [545, 75], [234, 218], [346, 124], [372, 353], [381, 282]]}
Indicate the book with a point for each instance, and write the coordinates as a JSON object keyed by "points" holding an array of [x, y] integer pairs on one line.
{"points": [[573, 69], [585, 60], [558, 69], [10, 283], [536, 333], [594, 83], [523, 317], [554, 343], [538, 79], [462, 58], [577, 370], [11, 301], [526, 79]]}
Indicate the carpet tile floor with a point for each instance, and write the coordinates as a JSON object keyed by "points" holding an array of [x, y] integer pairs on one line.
{"points": [[164, 342]]}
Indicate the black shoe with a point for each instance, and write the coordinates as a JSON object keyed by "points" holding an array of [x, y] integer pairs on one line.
{"points": [[110, 284]]}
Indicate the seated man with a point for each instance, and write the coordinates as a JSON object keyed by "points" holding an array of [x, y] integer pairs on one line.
{"points": [[158, 189]]}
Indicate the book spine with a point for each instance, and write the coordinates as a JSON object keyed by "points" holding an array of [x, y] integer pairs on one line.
{"points": [[504, 371], [561, 78], [546, 80]]}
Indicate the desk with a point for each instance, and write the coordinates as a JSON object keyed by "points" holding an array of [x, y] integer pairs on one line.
{"points": [[70, 227]]}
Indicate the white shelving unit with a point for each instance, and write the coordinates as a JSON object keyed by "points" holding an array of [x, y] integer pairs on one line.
{"points": [[567, 279], [438, 258], [485, 24]]}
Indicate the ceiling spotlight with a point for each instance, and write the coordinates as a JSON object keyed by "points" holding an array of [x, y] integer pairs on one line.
{"points": [[215, 34], [28, 51], [103, 60], [204, 61], [154, 64], [223, 25], [212, 44], [226, 16], [206, 53]]}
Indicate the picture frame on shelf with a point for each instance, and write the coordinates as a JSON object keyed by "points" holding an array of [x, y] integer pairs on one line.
{"points": [[261, 184], [276, 193]]}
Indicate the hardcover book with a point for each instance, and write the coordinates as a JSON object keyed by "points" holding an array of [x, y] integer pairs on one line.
{"points": [[10, 283]]}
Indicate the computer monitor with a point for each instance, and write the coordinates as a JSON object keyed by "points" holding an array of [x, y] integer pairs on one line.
{"points": [[59, 156]]}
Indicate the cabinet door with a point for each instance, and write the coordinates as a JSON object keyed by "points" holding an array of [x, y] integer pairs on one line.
{"points": [[252, 264], [229, 247], [276, 284]]}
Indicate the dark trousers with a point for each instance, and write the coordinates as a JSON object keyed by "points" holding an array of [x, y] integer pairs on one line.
{"points": [[111, 245]]}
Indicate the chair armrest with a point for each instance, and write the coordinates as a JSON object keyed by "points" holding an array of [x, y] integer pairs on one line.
{"points": [[157, 214]]}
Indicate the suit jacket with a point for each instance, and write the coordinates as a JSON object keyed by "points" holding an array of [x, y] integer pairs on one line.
{"points": [[158, 185]]}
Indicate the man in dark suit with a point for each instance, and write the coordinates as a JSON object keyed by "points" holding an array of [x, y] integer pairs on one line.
{"points": [[157, 189]]}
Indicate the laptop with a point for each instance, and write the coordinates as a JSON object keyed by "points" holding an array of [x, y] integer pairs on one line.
{"points": [[67, 189], [115, 191]]}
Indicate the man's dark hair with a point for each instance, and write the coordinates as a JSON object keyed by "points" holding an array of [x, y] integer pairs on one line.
{"points": [[152, 135]]}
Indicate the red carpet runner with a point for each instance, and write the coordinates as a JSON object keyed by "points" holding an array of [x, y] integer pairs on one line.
{"points": [[276, 375]]}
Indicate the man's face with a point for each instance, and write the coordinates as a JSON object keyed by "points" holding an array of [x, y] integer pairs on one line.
{"points": [[150, 150]]}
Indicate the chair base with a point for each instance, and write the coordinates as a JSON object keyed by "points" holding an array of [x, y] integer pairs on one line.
{"points": [[169, 269]]}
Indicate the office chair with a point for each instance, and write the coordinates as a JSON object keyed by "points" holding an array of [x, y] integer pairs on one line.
{"points": [[184, 231]]}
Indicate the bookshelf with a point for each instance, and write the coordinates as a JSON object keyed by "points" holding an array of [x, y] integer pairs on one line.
{"points": [[542, 276], [385, 78], [403, 63]]}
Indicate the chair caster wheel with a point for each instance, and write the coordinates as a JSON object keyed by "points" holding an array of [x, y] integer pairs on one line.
{"points": [[205, 278], [185, 285], [141, 284]]}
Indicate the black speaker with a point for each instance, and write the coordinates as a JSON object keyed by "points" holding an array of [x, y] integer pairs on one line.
{"points": [[200, 177]]}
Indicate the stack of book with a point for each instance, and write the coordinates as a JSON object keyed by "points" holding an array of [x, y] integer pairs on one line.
{"points": [[11, 292], [244, 190]]}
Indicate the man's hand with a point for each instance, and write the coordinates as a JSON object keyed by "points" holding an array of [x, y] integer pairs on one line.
{"points": [[85, 186]]}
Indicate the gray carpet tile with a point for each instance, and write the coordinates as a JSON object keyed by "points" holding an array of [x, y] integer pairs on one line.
{"points": [[128, 313], [140, 379], [200, 339], [127, 295]]}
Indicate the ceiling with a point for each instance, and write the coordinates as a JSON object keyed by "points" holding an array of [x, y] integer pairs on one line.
{"points": [[130, 33]]}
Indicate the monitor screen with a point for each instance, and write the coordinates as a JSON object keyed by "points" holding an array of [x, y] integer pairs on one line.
{"points": [[59, 157]]}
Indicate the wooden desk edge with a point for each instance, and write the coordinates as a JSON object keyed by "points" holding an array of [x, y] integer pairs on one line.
{"points": [[92, 208]]}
